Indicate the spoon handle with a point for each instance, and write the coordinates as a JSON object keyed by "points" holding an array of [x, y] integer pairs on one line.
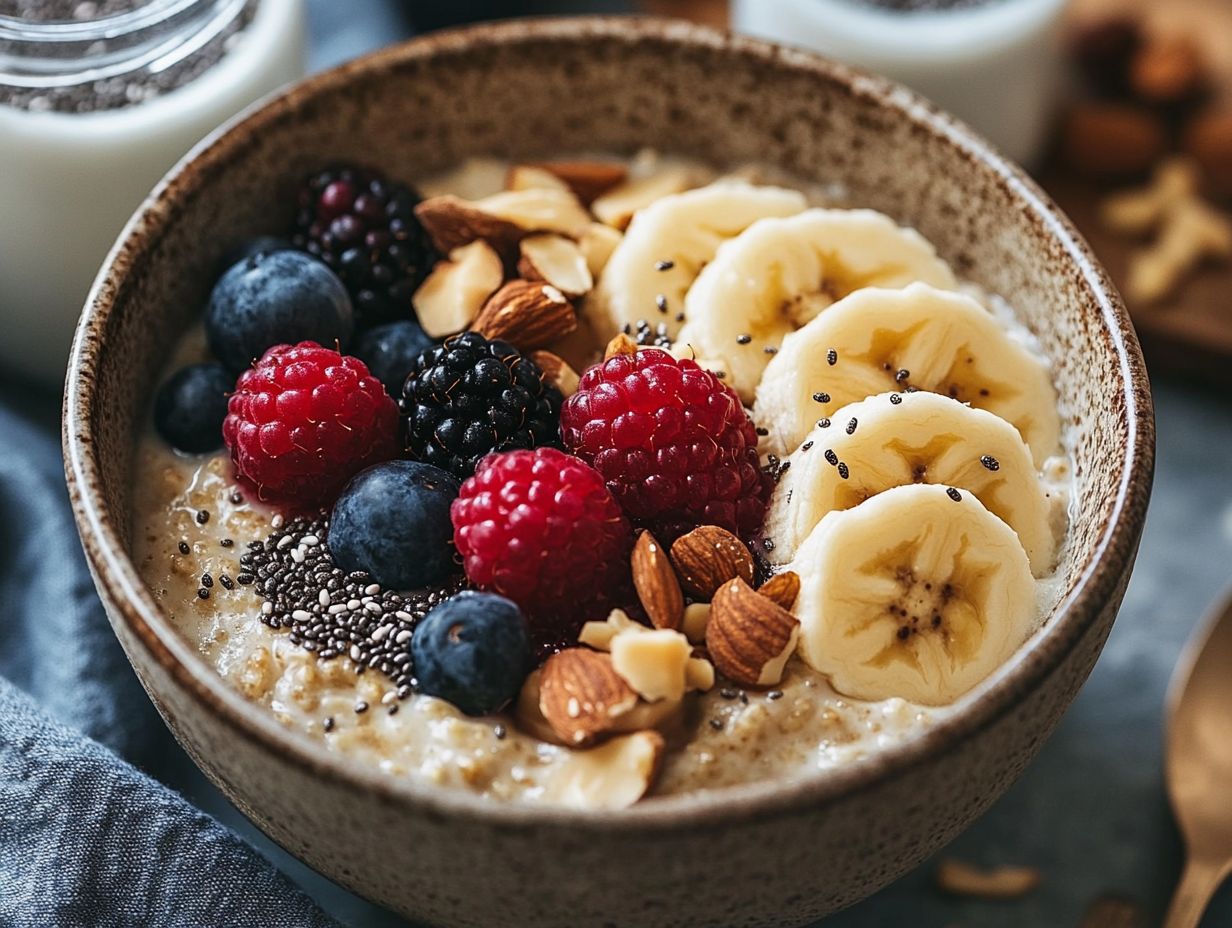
{"points": [[1198, 884]]}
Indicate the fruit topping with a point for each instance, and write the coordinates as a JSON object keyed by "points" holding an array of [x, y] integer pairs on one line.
{"points": [[471, 396], [541, 528], [674, 444], [473, 651], [390, 351], [304, 420], [364, 227], [392, 520], [190, 406], [275, 298]]}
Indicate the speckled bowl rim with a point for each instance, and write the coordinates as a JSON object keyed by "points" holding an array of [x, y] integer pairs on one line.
{"points": [[119, 580]]}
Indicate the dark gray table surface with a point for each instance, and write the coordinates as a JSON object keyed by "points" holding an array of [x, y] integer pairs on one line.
{"points": [[1090, 812]]}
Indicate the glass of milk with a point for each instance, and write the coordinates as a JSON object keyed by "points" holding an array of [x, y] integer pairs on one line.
{"points": [[996, 64], [98, 98]]}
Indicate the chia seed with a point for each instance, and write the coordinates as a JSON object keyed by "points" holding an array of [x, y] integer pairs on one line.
{"points": [[843, 471], [902, 375], [990, 462], [227, 542], [184, 549], [831, 357], [775, 694], [808, 444], [953, 494], [823, 423], [831, 457], [207, 581], [851, 426], [500, 731], [661, 303], [716, 724], [743, 339], [328, 723], [203, 516], [820, 397], [332, 612], [895, 398], [664, 265]]}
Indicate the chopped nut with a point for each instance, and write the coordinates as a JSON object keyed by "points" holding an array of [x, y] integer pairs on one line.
{"points": [[452, 295], [556, 372], [783, 588], [599, 635], [613, 775], [587, 179], [620, 344], [527, 314], [963, 879], [698, 675], [531, 177], [708, 557], [617, 206], [656, 583], [538, 210], [696, 615], [653, 662]]}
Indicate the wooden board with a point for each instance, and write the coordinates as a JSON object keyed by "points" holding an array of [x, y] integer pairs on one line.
{"points": [[1189, 335]]}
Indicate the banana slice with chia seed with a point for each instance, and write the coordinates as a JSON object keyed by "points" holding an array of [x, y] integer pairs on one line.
{"points": [[779, 273], [667, 244], [896, 439], [916, 338], [919, 593]]}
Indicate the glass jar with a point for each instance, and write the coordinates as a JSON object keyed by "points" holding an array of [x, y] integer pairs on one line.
{"points": [[98, 98]]}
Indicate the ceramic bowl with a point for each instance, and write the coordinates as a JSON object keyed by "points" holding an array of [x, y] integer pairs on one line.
{"points": [[777, 852]]}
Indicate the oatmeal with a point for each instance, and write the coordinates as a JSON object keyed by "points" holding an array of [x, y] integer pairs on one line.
{"points": [[846, 466]]}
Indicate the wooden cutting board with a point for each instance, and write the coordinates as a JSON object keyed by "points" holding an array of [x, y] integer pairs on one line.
{"points": [[1189, 335]]}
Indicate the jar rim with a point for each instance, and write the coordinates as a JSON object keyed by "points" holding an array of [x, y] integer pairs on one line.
{"points": [[50, 32]]}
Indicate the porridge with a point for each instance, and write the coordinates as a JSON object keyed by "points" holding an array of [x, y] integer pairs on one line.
{"points": [[720, 483]]}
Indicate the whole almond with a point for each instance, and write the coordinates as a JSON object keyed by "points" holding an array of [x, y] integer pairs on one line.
{"points": [[783, 588], [749, 637], [528, 314], [708, 557], [656, 583], [1112, 140], [581, 696]]}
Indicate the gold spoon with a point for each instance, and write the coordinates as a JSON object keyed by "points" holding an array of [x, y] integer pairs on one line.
{"points": [[1199, 765]]}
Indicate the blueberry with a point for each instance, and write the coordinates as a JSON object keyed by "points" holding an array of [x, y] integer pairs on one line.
{"points": [[250, 248], [389, 350], [472, 650], [274, 298], [190, 406], [392, 520]]}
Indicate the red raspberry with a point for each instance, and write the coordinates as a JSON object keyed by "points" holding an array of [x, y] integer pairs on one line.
{"points": [[304, 420], [673, 443], [541, 528]]}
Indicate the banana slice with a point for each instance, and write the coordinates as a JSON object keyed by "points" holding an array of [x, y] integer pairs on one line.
{"points": [[919, 592], [665, 246], [904, 438], [916, 338], [779, 273]]}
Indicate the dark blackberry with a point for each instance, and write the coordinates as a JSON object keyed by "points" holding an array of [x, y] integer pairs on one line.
{"points": [[364, 228], [470, 396]]}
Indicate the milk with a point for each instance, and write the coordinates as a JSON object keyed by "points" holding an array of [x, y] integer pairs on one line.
{"points": [[996, 65], [68, 182]]}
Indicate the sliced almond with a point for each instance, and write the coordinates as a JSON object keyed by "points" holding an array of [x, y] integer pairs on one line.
{"points": [[581, 695], [556, 260], [588, 180], [538, 209], [653, 662], [556, 372], [783, 588], [451, 297], [620, 344], [613, 775], [452, 222], [617, 206], [963, 879], [527, 314], [708, 557], [597, 244], [532, 177], [656, 583], [749, 637], [696, 617]]}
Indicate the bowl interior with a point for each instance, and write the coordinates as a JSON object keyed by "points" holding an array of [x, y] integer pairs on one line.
{"points": [[551, 89]]}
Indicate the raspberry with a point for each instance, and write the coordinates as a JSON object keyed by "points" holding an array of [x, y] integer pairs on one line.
{"points": [[304, 420], [364, 227], [540, 528], [673, 443]]}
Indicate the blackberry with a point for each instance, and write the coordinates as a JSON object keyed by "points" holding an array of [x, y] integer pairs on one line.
{"points": [[470, 396], [365, 229]]}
